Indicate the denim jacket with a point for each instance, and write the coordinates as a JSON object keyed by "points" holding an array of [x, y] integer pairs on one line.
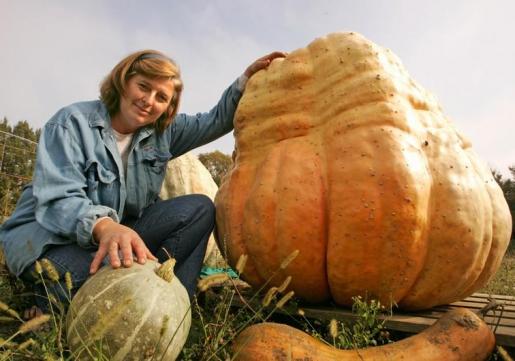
{"points": [[79, 175]]}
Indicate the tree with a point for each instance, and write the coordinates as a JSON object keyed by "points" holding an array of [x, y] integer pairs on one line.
{"points": [[508, 189], [217, 163], [17, 156], [510, 198]]}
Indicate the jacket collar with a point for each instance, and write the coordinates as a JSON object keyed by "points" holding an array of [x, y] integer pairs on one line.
{"points": [[100, 117]]}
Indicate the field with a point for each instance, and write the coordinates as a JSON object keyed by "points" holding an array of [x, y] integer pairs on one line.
{"points": [[504, 281], [214, 324]]}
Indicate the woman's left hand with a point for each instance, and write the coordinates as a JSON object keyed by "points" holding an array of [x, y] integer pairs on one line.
{"points": [[263, 62]]}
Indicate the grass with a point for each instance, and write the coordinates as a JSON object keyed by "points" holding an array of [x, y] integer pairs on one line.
{"points": [[214, 323], [504, 281]]}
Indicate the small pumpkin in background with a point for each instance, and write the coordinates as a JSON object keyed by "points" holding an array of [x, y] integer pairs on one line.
{"points": [[136, 313], [187, 175], [342, 155]]}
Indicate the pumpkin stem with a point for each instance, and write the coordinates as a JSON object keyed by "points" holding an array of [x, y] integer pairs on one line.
{"points": [[165, 271], [491, 306]]}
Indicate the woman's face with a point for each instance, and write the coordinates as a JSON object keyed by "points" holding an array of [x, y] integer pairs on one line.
{"points": [[144, 101]]}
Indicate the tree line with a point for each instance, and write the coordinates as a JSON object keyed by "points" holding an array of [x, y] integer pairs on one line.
{"points": [[508, 188], [17, 155], [18, 152]]}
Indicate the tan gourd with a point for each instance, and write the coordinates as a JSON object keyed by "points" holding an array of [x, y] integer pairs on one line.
{"points": [[341, 155], [459, 335], [141, 312], [187, 175]]}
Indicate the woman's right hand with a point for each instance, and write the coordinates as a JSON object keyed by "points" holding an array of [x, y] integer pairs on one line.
{"points": [[113, 237]]}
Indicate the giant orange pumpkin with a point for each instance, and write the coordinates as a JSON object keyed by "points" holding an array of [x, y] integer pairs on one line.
{"points": [[341, 155]]}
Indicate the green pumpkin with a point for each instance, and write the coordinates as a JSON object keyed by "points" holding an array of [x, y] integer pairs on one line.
{"points": [[137, 313]]}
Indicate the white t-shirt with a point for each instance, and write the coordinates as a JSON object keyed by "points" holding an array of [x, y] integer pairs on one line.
{"points": [[123, 142]]}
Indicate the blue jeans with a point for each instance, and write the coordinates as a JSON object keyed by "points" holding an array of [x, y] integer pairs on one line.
{"points": [[181, 226]]}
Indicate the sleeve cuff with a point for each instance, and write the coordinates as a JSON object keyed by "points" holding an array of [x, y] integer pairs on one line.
{"points": [[242, 82], [86, 225]]}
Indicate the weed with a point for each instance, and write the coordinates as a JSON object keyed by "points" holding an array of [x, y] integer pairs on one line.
{"points": [[367, 329], [215, 322]]}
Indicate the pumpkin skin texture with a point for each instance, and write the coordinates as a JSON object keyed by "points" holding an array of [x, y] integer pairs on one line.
{"points": [[133, 313], [460, 335], [341, 155]]}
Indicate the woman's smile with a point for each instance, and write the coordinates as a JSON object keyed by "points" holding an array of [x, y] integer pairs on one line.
{"points": [[141, 109]]}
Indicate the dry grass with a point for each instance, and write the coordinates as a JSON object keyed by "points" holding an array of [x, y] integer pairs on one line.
{"points": [[211, 330], [504, 281]]}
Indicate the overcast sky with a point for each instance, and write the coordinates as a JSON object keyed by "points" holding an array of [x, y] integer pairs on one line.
{"points": [[53, 53]]}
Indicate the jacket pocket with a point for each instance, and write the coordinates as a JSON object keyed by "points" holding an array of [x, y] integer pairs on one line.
{"points": [[156, 160], [100, 184]]}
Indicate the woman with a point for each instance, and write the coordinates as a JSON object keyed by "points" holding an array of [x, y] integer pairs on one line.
{"points": [[99, 169]]}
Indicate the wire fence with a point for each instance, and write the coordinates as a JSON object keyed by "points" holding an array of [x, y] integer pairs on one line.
{"points": [[17, 159]]}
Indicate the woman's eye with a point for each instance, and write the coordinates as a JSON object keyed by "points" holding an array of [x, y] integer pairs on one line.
{"points": [[143, 86]]}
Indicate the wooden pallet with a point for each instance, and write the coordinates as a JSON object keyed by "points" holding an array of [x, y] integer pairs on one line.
{"points": [[501, 321]]}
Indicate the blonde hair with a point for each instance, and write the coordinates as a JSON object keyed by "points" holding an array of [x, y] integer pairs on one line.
{"points": [[152, 64]]}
